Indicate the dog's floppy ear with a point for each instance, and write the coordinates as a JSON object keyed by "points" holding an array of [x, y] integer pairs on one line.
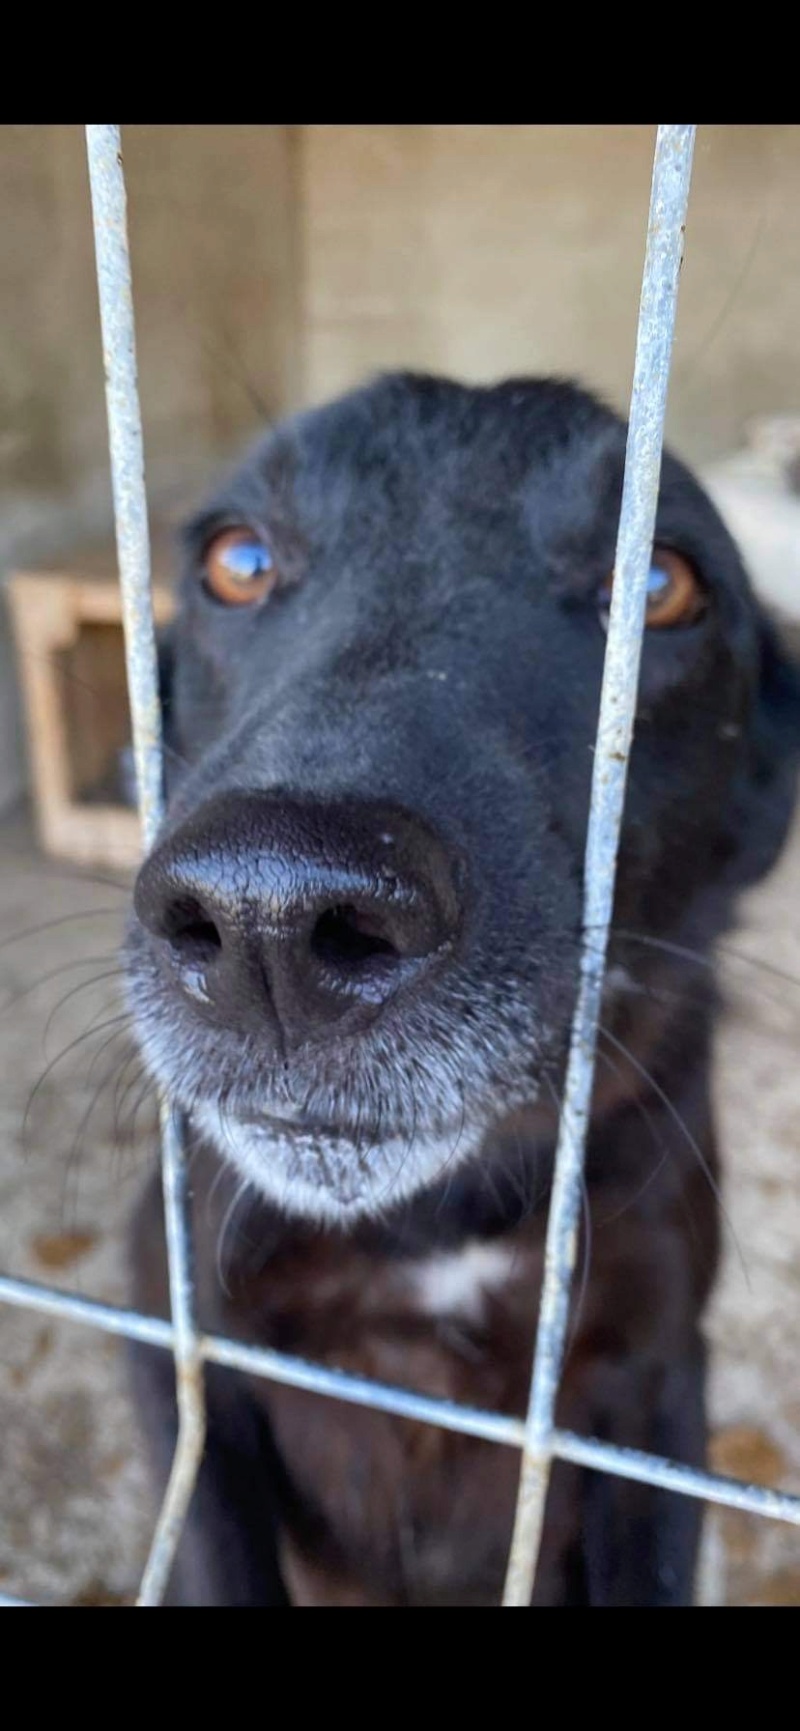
{"points": [[767, 791]]}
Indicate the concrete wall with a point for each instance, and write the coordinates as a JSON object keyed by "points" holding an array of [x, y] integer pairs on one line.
{"points": [[212, 217], [484, 250], [275, 265]]}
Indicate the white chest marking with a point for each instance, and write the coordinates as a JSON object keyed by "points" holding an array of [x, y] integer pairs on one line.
{"points": [[457, 1282]]}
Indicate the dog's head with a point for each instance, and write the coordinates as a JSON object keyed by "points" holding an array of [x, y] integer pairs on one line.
{"points": [[355, 943]]}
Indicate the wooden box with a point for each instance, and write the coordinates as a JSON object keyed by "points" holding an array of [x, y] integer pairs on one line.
{"points": [[68, 629]]}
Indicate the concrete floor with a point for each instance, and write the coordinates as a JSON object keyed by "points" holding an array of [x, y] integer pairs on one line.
{"points": [[75, 1142]]}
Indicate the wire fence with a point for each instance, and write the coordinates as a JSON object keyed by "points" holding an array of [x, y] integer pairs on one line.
{"points": [[537, 1437]]}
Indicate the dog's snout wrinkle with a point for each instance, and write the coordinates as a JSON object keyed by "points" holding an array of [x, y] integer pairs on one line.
{"points": [[293, 916]]}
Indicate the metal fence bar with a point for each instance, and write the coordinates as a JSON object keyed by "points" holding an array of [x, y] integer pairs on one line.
{"points": [[262, 1361], [404, 1403], [109, 1318], [109, 213], [669, 1476], [672, 167]]}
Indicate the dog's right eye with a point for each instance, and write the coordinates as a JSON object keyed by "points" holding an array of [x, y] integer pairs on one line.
{"points": [[674, 592], [238, 568]]}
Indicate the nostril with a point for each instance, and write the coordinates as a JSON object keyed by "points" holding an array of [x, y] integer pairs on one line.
{"points": [[347, 939], [188, 929]]}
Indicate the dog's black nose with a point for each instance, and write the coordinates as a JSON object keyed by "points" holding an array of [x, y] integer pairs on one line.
{"points": [[306, 912]]}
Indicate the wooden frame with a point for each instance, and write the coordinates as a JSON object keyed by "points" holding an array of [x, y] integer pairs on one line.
{"points": [[58, 613]]}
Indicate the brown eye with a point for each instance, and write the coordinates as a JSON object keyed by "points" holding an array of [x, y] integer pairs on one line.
{"points": [[674, 594], [238, 568]]}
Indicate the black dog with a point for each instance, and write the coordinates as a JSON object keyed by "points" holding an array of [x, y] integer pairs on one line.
{"points": [[353, 965]]}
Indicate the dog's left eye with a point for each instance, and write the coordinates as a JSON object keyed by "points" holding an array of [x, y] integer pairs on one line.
{"points": [[674, 594], [238, 568]]}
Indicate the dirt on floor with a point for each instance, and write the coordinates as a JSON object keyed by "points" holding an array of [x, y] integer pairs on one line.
{"points": [[77, 1134]]}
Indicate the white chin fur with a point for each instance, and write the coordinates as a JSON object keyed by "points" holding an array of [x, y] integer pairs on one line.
{"points": [[331, 1180]]}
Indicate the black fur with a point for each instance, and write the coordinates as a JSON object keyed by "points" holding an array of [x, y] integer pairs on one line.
{"points": [[428, 669]]}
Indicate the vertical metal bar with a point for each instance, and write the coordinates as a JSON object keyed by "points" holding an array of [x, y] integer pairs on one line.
{"points": [[109, 213], [669, 195]]}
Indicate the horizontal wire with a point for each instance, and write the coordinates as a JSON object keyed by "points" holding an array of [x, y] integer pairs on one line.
{"points": [[449, 1415]]}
